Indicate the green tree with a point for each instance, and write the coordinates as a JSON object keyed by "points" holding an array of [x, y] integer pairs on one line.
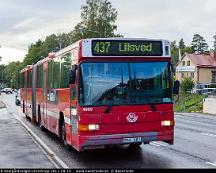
{"points": [[34, 53], [174, 52], [199, 44], [98, 19], [181, 44], [183, 48], [186, 84], [12, 74], [51, 43], [64, 40], [187, 49], [41, 49], [2, 74]]}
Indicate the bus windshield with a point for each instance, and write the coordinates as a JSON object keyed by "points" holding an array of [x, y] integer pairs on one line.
{"points": [[116, 83]]}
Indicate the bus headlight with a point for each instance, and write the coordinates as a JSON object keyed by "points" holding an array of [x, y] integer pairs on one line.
{"points": [[167, 123], [93, 127]]}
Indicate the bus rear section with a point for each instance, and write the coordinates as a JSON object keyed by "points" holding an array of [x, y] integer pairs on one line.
{"points": [[128, 102]]}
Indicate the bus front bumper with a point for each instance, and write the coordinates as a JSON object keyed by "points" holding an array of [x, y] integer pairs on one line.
{"points": [[100, 141]]}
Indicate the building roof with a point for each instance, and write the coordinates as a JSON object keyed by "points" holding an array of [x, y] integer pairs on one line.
{"points": [[203, 60]]}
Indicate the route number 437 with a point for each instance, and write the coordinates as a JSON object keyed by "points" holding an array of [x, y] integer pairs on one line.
{"points": [[102, 47]]}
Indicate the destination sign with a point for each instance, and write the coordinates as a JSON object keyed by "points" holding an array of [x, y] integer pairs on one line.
{"points": [[126, 48]]}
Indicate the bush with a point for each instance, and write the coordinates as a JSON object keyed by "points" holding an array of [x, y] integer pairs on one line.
{"points": [[189, 103], [186, 84]]}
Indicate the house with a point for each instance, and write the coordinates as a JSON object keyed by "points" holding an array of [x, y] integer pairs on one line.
{"points": [[201, 68]]}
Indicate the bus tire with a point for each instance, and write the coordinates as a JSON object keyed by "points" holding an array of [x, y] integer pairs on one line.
{"points": [[42, 128], [63, 134]]}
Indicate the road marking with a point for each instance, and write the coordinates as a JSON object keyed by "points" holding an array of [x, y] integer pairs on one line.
{"points": [[159, 143], [164, 144], [209, 134], [210, 163], [48, 150], [154, 143]]}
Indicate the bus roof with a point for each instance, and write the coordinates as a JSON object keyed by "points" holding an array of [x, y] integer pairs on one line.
{"points": [[68, 48], [28, 67]]}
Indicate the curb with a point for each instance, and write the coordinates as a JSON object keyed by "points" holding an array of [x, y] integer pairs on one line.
{"points": [[52, 156]]}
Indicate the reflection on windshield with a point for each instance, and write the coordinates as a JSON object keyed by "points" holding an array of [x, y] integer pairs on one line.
{"points": [[125, 83]]}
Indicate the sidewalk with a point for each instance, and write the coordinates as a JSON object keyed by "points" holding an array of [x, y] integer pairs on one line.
{"points": [[213, 116], [17, 148]]}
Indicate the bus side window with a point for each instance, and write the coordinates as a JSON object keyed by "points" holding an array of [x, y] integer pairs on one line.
{"points": [[65, 68], [50, 71], [37, 77], [56, 76], [29, 77], [41, 76]]}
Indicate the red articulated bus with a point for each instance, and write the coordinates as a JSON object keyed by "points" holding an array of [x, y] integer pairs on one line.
{"points": [[103, 91]]}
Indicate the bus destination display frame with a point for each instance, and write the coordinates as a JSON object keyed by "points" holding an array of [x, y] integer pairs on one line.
{"points": [[127, 48]]}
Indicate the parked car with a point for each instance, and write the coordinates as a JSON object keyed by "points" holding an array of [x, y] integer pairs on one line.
{"points": [[17, 98]]}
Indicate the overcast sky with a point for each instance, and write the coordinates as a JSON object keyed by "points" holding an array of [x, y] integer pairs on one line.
{"points": [[23, 22]]}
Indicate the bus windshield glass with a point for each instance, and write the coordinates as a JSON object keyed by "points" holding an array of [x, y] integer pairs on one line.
{"points": [[126, 83]]}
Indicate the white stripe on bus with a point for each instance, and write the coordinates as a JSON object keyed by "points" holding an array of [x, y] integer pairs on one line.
{"points": [[55, 115]]}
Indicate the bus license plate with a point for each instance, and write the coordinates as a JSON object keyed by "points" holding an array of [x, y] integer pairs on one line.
{"points": [[128, 140]]}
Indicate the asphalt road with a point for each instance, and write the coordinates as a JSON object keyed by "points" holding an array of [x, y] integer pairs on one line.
{"points": [[194, 146]]}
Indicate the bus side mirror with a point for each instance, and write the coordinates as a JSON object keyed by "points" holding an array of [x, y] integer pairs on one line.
{"points": [[176, 87], [73, 74]]}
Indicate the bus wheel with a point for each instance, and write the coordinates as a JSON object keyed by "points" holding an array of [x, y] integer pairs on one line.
{"points": [[63, 135], [39, 121], [135, 145]]}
